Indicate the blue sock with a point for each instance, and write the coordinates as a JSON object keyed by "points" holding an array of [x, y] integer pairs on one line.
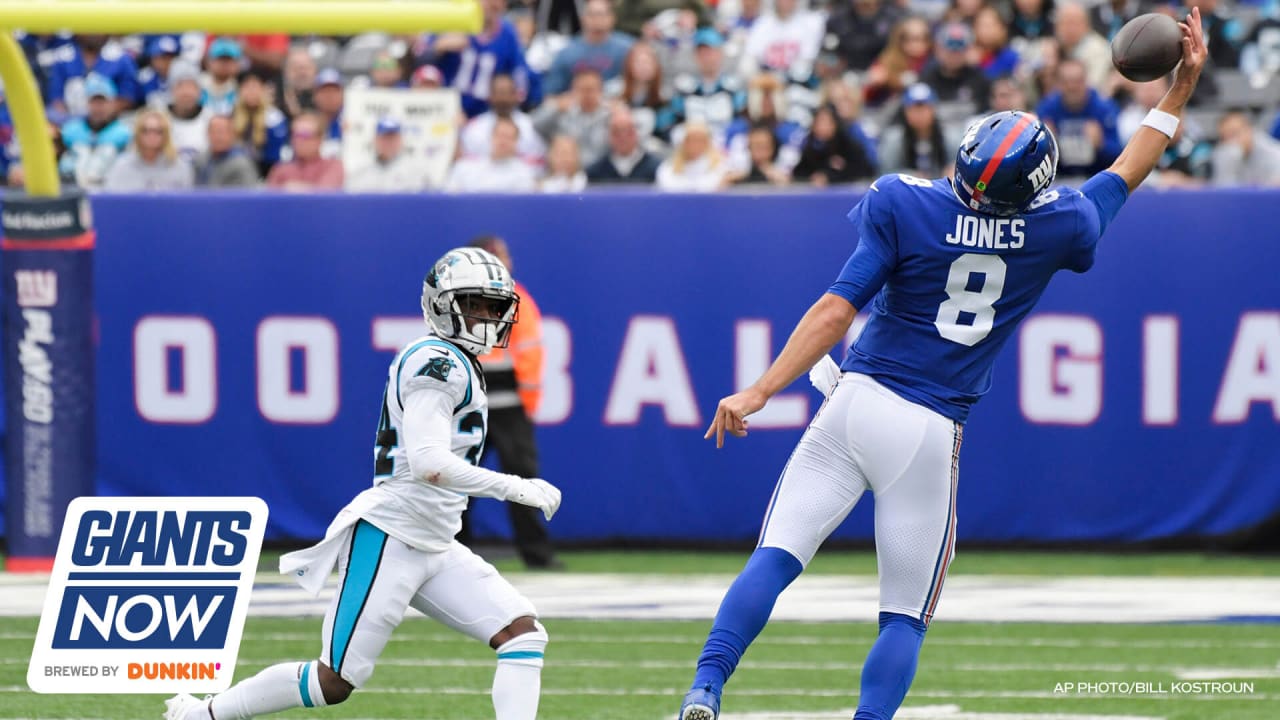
{"points": [[743, 613], [890, 666]]}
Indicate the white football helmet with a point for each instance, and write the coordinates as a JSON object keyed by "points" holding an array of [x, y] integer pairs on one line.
{"points": [[469, 298]]}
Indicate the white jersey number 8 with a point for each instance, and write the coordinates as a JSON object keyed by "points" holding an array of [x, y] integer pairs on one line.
{"points": [[979, 304]]}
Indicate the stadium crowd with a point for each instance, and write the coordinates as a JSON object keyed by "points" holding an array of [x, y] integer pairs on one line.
{"points": [[684, 95]]}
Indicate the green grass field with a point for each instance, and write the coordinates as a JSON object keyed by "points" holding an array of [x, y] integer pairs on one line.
{"points": [[632, 670]]}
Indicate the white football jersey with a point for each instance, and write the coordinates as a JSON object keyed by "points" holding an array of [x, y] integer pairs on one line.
{"points": [[421, 514]]}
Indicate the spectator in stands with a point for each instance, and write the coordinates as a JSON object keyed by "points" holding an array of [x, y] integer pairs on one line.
{"points": [[627, 162], [642, 17], [916, 142], [391, 170], [830, 156], [710, 95], [70, 65], [223, 79], [429, 77], [846, 98], [188, 115], [737, 19], [386, 72], [1076, 39], [766, 105], [581, 115], [1143, 97], [308, 170], [265, 53], [298, 83], [1221, 33], [963, 11], [93, 142], [640, 86], [1108, 16], [696, 164], [225, 164], [991, 39], [762, 148], [598, 48], [260, 126], [861, 29], [785, 41], [1007, 94], [1032, 19], [328, 97], [151, 163], [901, 63], [1083, 121], [1260, 53], [1187, 161], [1244, 156], [951, 76], [153, 80], [564, 169], [504, 102], [501, 171], [495, 50]]}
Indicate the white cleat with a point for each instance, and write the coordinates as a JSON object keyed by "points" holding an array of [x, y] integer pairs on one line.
{"points": [[181, 707]]}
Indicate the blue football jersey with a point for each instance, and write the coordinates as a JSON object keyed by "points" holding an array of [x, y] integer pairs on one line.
{"points": [[951, 284], [472, 70]]}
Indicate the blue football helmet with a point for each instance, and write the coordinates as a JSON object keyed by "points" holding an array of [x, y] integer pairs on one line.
{"points": [[1004, 162]]}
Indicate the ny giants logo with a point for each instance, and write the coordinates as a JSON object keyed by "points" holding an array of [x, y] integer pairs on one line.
{"points": [[148, 595]]}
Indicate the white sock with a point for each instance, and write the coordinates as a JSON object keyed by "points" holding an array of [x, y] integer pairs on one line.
{"points": [[517, 682], [279, 687]]}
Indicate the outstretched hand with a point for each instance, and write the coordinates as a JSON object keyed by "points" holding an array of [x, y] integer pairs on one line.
{"points": [[1194, 51], [731, 415]]}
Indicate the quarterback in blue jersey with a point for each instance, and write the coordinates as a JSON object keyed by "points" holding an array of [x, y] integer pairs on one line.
{"points": [[947, 268]]}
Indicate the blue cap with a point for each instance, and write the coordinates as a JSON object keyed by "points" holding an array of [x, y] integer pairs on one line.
{"points": [[709, 37], [225, 47], [918, 94], [955, 36], [328, 76], [163, 45], [388, 125], [96, 85]]}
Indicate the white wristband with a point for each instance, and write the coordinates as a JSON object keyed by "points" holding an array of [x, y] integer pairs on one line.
{"points": [[1162, 122]]}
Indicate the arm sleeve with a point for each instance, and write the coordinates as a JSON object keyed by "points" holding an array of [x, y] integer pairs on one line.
{"points": [[1107, 192], [428, 427], [874, 258]]}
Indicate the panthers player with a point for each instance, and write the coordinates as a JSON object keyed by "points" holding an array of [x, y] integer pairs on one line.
{"points": [[393, 544], [950, 266]]}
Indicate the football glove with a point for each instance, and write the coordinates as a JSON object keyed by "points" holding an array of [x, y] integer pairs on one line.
{"points": [[535, 492]]}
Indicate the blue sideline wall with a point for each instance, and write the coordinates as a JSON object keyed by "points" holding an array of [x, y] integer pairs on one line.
{"points": [[244, 344]]}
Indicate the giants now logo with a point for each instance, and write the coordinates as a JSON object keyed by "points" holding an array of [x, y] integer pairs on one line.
{"points": [[148, 595]]}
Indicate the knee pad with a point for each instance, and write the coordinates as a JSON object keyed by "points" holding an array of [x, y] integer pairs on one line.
{"points": [[526, 648]]}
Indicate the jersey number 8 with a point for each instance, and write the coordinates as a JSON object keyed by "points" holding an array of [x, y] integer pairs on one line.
{"points": [[979, 304]]}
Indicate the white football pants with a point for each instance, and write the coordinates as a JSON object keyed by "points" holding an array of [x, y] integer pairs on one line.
{"points": [[867, 437], [380, 577]]}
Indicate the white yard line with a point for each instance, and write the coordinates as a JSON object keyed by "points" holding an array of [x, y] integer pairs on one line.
{"points": [[816, 598]]}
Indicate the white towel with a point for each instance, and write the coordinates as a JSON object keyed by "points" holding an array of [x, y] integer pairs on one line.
{"points": [[824, 375]]}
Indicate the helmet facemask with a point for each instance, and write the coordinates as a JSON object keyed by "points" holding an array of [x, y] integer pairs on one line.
{"points": [[479, 320]]}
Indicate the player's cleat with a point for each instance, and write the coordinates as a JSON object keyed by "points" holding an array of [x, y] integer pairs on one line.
{"points": [[179, 706], [700, 704]]}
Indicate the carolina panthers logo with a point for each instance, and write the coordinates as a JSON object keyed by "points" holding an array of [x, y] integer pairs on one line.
{"points": [[438, 368]]}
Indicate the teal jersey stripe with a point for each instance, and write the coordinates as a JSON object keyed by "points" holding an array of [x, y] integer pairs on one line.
{"points": [[520, 655], [303, 686], [363, 561]]}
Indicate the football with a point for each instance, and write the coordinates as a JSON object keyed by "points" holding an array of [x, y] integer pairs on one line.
{"points": [[1147, 47]]}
